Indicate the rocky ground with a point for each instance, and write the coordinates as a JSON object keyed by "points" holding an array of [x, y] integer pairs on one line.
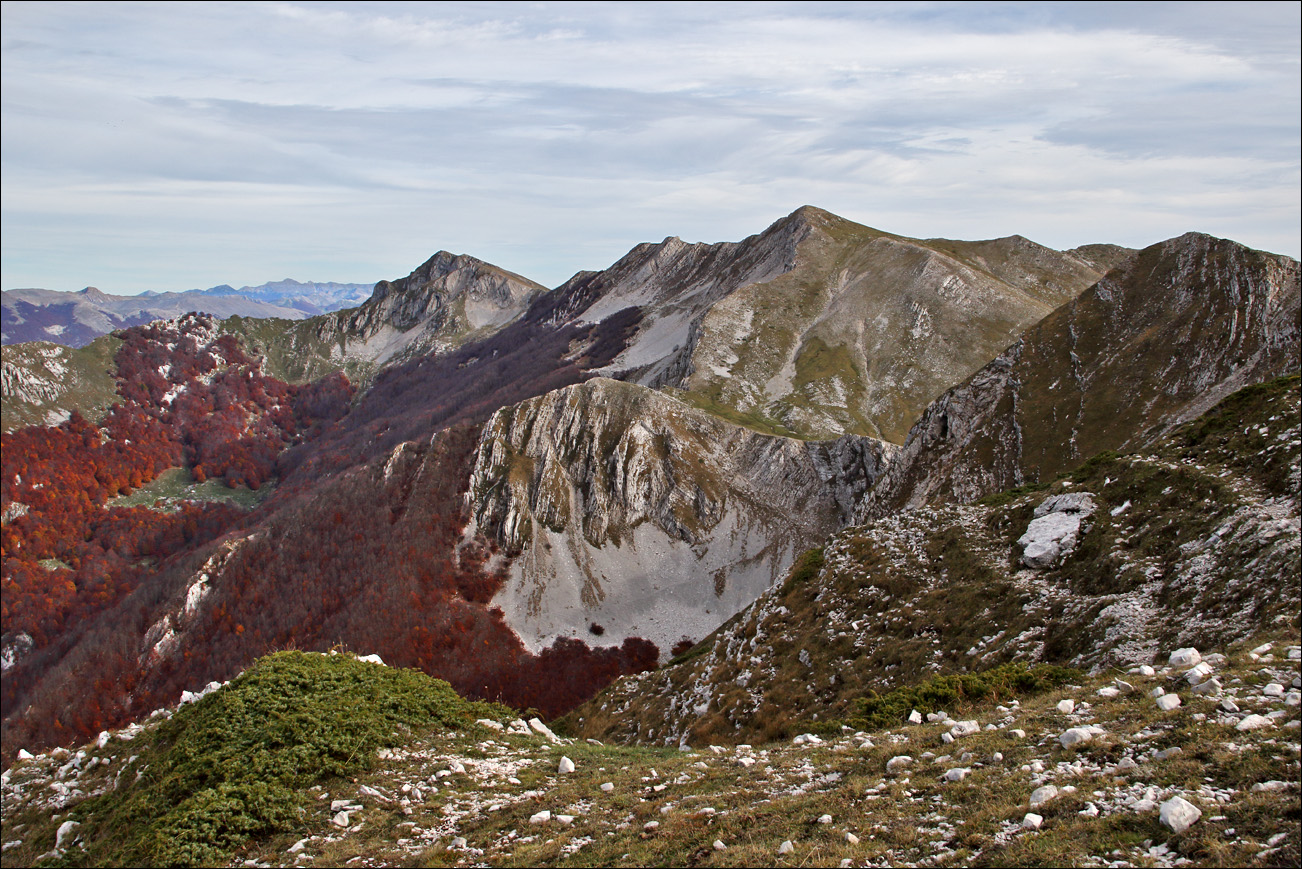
{"points": [[1194, 763]]}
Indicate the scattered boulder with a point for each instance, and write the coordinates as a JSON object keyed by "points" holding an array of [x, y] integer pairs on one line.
{"points": [[1032, 821], [1167, 702], [1075, 736], [566, 766], [898, 763], [1254, 722], [1179, 814], [1067, 706], [719, 846], [536, 725], [786, 847], [1056, 528], [541, 817], [1043, 794], [1182, 658], [958, 773]]}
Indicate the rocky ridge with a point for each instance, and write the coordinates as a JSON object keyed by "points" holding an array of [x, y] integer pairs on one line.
{"points": [[447, 301], [1096, 773], [1157, 342]]}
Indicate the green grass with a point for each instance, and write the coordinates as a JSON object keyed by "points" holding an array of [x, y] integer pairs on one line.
{"points": [[959, 692], [234, 766], [178, 484]]}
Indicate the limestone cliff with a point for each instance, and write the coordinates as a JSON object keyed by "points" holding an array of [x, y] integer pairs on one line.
{"points": [[643, 516]]}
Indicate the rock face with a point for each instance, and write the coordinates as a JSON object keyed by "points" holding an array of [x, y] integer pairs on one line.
{"points": [[819, 326], [633, 514], [1157, 342]]}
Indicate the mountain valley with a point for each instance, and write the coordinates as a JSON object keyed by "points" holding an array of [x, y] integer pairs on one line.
{"points": [[714, 496]]}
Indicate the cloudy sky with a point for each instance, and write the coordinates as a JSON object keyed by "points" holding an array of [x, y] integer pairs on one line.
{"points": [[170, 146]]}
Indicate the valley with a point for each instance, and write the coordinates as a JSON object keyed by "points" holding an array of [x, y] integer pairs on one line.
{"points": [[711, 499]]}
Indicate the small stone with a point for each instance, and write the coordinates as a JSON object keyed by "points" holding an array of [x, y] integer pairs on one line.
{"points": [[536, 725], [457, 844], [1179, 814], [1210, 687], [1228, 704], [1254, 722], [1274, 689], [786, 847], [1109, 691], [541, 817], [340, 819], [824, 819], [1042, 795], [1075, 736], [565, 820], [337, 805], [719, 846], [1269, 786], [1032, 821], [958, 773], [915, 717], [607, 787], [297, 846], [1262, 649], [651, 826], [566, 766], [965, 728], [24, 754], [1090, 811], [1018, 732], [1123, 686], [1067, 707], [1182, 658], [1167, 702], [1198, 673], [1157, 692], [1145, 670], [947, 737], [1168, 753], [852, 838], [1126, 764], [898, 763]]}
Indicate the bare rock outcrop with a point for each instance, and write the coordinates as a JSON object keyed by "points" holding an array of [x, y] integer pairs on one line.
{"points": [[642, 516]]}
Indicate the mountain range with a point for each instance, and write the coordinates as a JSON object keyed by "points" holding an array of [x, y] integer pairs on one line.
{"points": [[76, 319], [803, 466]]}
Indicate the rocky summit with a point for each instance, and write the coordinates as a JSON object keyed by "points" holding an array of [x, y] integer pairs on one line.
{"points": [[827, 546]]}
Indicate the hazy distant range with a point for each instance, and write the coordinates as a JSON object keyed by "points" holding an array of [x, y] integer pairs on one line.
{"points": [[77, 318]]}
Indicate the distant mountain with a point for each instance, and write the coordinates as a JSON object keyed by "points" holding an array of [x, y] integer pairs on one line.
{"points": [[76, 319]]}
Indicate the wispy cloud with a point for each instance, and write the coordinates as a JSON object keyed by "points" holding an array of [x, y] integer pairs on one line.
{"points": [[156, 147]]}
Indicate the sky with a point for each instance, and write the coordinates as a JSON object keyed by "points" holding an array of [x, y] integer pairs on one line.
{"points": [[164, 146]]}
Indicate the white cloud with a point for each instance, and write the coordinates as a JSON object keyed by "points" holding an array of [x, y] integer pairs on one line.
{"points": [[241, 142]]}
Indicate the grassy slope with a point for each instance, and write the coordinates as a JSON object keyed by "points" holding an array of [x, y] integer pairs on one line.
{"points": [[468, 796], [85, 383]]}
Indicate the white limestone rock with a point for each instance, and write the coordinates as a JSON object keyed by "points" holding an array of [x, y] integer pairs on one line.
{"points": [[1043, 794], [1056, 528], [1075, 736], [1254, 722], [1187, 657], [1179, 814], [1032, 821], [898, 763], [1167, 702], [566, 766]]}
